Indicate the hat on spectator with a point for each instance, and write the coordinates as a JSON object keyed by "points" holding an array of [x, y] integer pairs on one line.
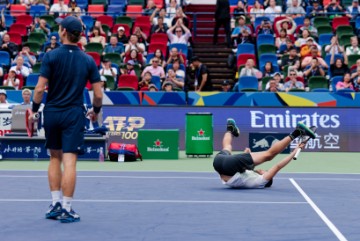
{"points": [[152, 86], [309, 39], [2, 91], [106, 60], [26, 90], [103, 78], [225, 82], [12, 70], [242, 16], [131, 62], [71, 24], [276, 73], [121, 28], [166, 83]]}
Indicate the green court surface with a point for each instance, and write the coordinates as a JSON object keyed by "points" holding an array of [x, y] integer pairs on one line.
{"points": [[308, 162]]}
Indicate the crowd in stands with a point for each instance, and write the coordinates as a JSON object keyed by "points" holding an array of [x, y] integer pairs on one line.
{"points": [[292, 45]]}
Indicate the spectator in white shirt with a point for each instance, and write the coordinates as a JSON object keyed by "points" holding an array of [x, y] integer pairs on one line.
{"points": [[272, 11], [20, 68], [107, 69], [179, 37], [59, 8], [12, 80]]}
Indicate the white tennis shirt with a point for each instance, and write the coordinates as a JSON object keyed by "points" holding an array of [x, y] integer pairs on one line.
{"points": [[247, 179]]}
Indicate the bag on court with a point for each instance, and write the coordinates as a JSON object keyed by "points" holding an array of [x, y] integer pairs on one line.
{"points": [[129, 151]]}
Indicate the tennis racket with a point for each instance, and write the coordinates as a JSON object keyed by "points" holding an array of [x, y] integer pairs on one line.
{"points": [[304, 139], [29, 123]]}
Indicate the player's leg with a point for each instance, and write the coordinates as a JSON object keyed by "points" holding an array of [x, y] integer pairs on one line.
{"points": [[278, 147], [231, 130]]}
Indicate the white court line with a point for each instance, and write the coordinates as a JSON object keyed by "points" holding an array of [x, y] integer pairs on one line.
{"points": [[326, 220], [155, 201], [184, 177]]}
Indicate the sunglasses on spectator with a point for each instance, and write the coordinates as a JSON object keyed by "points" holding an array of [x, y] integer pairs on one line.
{"points": [[292, 74], [178, 31], [155, 61]]}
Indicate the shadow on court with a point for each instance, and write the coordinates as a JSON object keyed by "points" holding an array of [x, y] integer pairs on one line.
{"points": [[181, 206]]}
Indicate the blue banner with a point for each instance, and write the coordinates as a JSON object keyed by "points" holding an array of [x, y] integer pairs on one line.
{"points": [[338, 128]]}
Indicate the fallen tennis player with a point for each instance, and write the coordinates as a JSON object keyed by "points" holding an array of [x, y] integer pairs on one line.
{"points": [[237, 171]]}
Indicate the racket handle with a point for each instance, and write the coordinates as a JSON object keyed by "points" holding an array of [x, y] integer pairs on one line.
{"points": [[297, 154], [36, 116]]}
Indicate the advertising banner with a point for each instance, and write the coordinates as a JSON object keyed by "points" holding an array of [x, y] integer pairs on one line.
{"points": [[338, 128], [5, 122]]}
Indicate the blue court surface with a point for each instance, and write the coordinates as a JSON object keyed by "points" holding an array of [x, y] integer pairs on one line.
{"points": [[183, 206]]}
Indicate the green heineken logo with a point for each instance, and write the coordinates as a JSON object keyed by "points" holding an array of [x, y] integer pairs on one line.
{"points": [[158, 147], [201, 136]]}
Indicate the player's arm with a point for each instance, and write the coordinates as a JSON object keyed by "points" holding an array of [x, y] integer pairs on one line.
{"points": [[268, 175], [38, 93]]}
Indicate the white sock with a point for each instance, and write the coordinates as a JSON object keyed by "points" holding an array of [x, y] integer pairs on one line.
{"points": [[56, 197], [66, 204]]}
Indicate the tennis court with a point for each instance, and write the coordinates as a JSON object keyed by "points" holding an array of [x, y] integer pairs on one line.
{"points": [[171, 204]]}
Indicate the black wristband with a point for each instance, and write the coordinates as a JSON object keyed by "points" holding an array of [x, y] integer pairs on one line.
{"points": [[96, 109], [35, 107]]}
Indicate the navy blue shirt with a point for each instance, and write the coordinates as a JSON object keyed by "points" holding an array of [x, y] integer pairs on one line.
{"points": [[67, 69]]}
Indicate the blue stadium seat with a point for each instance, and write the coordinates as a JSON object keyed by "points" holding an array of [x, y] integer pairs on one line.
{"points": [[182, 47], [299, 20], [265, 39], [115, 10], [258, 21], [347, 90], [156, 81], [357, 22], [149, 57], [247, 82], [118, 2], [325, 38], [9, 20], [267, 58], [88, 21], [32, 79], [334, 80], [37, 10], [233, 2], [328, 57], [83, 4], [169, 66], [4, 58], [245, 48]]}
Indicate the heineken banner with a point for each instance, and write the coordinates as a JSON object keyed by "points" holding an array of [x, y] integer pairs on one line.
{"points": [[159, 144], [338, 128]]}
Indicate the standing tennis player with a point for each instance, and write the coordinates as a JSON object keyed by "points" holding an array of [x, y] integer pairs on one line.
{"points": [[237, 171], [65, 72]]}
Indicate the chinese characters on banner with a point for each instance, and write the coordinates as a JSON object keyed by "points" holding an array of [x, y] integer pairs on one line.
{"points": [[328, 142]]}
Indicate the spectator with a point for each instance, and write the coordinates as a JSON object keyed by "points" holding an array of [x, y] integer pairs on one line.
{"points": [[98, 25], [356, 78], [241, 25], [9, 46], [316, 9], [239, 10], [161, 13], [20, 68], [291, 60], [152, 88], [2, 24], [345, 84], [268, 69], [202, 75], [26, 95], [129, 68], [53, 43], [160, 27], [285, 24], [256, 11], [27, 56], [154, 69], [245, 37], [305, 50], [26, 3], [314, 69], [293, 83], [314, 55], [159, 55], [171, 9], [353, 11], [121, 36], [134, 44], [142, 37], [307, 25], [272, 86], [107, 69], [12, 80], [135, 56], [1, 72], [281, 40], [222, 18], [295, 10], [40, 26], [277, 77], [173, 80], [150, 8], [42, 3], [272, 11], [96, 37], [304, 37], [265, 28], [6, 4], [113, 47], [145, 80], [74, 9], [179, 72], [180, 15], [168, 87], [250, 70], [59, 9], [103, 83], [179, 37], [333, 9], [174, 55], [285, 49], [289, 3], [3, 96], [354, 48], [226, 86], [338, 66], [334, 46]]}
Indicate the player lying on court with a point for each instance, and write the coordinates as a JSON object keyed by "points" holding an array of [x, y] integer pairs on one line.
{"points": [[237, 171]]}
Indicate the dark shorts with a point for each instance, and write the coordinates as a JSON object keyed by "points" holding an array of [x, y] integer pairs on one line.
{"points": [[64, 130], [227, 164]]}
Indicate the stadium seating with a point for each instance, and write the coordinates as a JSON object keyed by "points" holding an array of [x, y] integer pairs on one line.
{"points": [[264, 58], [96, 57], [334, 80], [134, 11], [266, 48], [114, 58], [324, 30], [37, 37], [104, 19], [4, 58], [248, 83], [352, 58], [245, 48], [17, 10], [242, 58], [24, 19], [95, 10], [265, 39], [124, 20], [114, 10], [50, 20], [36, 68], [37, 10], [9, 20], [156, 81], [35, 47], [18, 28], [324, 39], [182, 48], [316, 82], [340, 21], [321, 21], [15, 38], [154, 46], [159, 38], [32, 79], [128, 82], [110, 82], [94, 47]]}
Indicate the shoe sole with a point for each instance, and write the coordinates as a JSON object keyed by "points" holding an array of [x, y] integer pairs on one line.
{"points": [[69, 220], [54, 216], [309, 132], [232, 122]]}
